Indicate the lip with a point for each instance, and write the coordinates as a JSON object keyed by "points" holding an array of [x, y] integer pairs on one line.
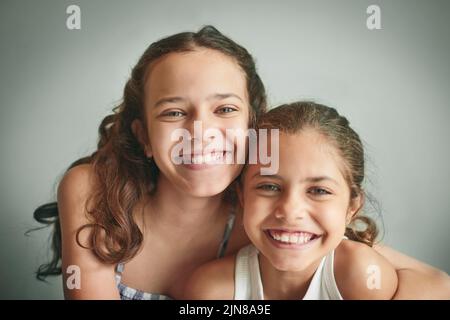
{"points": [[197, 167], [291, 230], [296, 246]]}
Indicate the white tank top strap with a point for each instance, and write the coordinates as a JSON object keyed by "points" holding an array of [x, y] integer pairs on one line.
{"points": [[247, 284], [315, 290], [241, 275], [329, 281]]}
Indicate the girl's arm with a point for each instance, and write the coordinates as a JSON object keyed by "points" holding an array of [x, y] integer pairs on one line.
{"points": [[417, 280], [212, 281], [80, 265]]}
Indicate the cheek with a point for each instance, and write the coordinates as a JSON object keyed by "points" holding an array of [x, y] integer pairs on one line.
{"points": [[234, 126], [331, 217], [252, 209], [256, 210], [160, 139], [238, 122]]}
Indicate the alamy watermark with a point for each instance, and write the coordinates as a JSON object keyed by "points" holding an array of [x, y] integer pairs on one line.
{"points": [[73, 21], [373, 277], [228, 149], [373, 21], [73, 280]]}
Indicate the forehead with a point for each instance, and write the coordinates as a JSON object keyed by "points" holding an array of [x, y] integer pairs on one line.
{"points": [[199, 72], [308, 147], [305, 154]]}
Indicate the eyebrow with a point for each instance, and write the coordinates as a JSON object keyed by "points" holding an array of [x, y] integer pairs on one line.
{"points": [[273, 176], [168, 100], [222, 96], [216, 96], [319, 179]]}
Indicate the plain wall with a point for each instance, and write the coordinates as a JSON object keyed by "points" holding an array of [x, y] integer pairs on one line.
{"points": [[392, 84]]}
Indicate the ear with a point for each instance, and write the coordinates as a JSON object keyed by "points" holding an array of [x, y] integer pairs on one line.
{"points": [[356, 203], [140, 133]]}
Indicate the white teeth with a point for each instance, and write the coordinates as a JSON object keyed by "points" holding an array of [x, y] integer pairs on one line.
{"points": [[289, 237], [293, 238], [209, 158], [197, 159], [212, 158], [216, 156]]}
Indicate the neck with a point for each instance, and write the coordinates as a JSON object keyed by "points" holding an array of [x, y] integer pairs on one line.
{"points": [[174, 208], [285, 285]]}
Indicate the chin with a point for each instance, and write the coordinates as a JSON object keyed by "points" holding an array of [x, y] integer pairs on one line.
{"points": [[289, 264], [206, 189], [208, 184]]}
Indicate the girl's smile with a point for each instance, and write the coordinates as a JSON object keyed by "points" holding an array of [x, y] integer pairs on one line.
{"points": [[205, 160], [291, 239]]}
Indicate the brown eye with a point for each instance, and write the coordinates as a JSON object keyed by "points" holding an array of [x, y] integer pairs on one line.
{"points": [[226, 109], [268, 187], [174, 114]]}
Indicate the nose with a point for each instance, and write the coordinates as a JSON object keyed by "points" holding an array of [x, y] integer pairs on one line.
{"points": [[291, 208], [201, 126]]}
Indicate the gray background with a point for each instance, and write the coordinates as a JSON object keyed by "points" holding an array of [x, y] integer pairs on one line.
{"points": [[393, 84]]}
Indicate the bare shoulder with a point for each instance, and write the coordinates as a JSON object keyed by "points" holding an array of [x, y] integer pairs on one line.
{"points": [[73, 193], [76, 183], [362, 273], [212, 281], [98, 280]]}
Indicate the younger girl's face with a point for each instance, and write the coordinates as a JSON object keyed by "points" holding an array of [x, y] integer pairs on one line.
{"points": [[298, 215], [204, 87]]}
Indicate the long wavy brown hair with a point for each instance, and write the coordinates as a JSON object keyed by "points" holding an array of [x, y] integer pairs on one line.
{"points": [[123, 173], [297, 116]]}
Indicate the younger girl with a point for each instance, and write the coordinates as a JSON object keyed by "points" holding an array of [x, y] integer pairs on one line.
{"points": [[301, 221]]}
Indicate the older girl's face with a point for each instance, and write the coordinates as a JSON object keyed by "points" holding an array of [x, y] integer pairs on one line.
{"points": [[298, 215], [202, 86]]}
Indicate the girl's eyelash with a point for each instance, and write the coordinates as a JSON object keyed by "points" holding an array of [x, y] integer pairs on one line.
{"points": [[229, 107], [318, 191], [268, 187], [173, 113]]}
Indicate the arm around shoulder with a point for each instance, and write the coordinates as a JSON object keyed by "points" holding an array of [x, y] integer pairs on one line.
{"points": [[424, 285], [212, 281], [417, 280]]}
